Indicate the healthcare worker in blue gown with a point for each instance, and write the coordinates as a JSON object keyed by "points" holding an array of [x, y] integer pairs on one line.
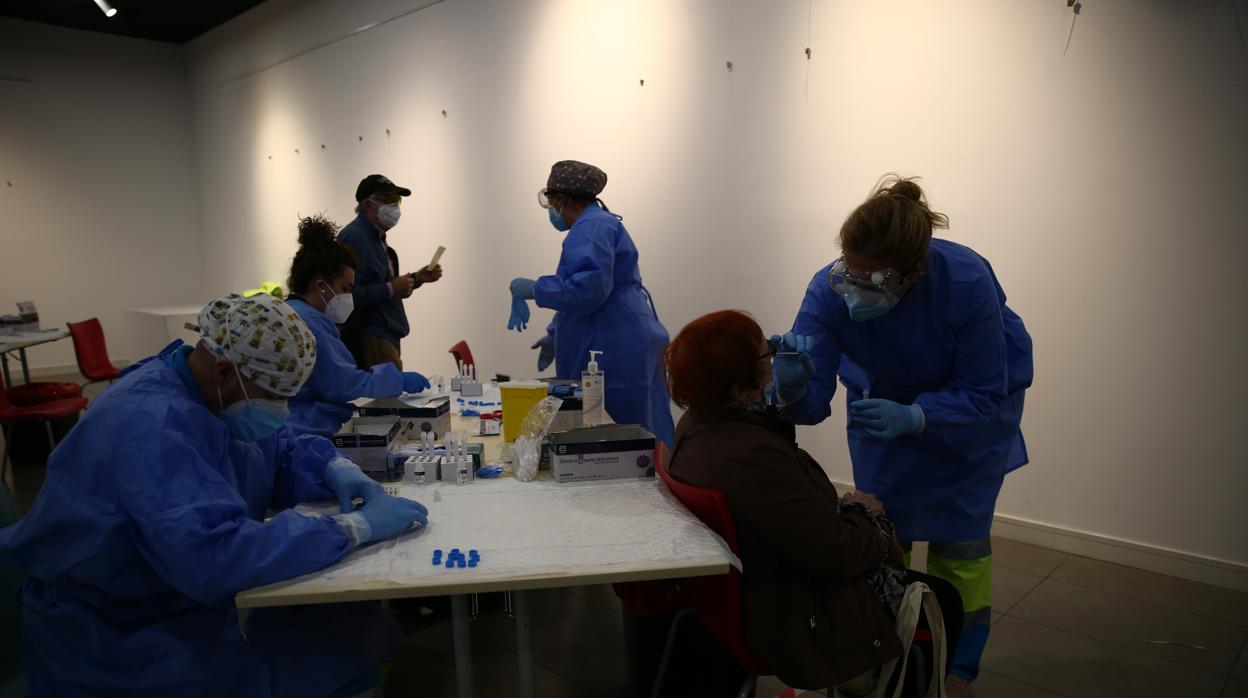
{"points": [[600, 303], [935, 366], [152, 518], [321, 278]]}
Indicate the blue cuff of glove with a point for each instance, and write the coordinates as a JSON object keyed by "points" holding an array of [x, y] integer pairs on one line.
{"points": [[355, 526], [338, 465], [920, 419], [789, 396]]}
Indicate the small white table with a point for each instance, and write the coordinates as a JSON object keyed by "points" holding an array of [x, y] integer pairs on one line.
{"points": [[171, 318], [22, 341], [532, 535]]}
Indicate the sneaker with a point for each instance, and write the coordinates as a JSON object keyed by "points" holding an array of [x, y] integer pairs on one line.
{"points": [[957, 687]]}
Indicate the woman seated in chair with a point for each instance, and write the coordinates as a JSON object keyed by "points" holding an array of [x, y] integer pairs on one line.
{"points": [[822, 574]]}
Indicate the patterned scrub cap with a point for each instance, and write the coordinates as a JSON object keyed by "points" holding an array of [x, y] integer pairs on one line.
{"points": [[264, 337], [576, 178]]}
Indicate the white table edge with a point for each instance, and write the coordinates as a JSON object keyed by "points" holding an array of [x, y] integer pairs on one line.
{"points": [[295, 593]]}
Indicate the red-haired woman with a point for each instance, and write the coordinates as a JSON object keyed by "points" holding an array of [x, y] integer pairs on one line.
{"points": [[821, 573]]}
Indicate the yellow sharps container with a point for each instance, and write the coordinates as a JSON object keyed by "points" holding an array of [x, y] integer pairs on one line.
{"points": [[518, 398]]}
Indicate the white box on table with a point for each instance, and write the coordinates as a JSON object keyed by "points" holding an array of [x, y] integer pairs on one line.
{"points": [[607, 452]]}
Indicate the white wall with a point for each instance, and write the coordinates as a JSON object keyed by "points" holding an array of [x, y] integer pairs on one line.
{"points": [[1105, 187], [101, 214]]}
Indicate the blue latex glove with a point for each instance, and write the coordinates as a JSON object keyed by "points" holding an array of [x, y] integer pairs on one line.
{"points": [[563, 391], [793, 365], [348, 482], [547, 353], [389, 516], [413, 382], [519, 320], [522, 288], [885, 419]]}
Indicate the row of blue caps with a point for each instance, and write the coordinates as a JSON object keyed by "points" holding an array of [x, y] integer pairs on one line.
{"points": [[456, 558]]}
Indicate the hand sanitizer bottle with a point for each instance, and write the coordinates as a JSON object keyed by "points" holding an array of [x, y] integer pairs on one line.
{"points": [[592, 393]]}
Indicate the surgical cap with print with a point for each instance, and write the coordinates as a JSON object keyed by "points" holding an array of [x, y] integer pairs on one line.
{"points": [[264, 337]]}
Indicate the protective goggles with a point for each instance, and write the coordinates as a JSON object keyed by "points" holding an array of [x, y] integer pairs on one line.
{"points": [[541, 198], [884, 282]]}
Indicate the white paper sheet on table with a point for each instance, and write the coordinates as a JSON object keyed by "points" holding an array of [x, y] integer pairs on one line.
{"points": [[534, 527]]}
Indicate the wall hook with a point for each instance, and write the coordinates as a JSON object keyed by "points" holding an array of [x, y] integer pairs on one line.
{"points": [[296, 151], [443, 113], [729, 65], [361, 139], [643, 82], [322, 146], [387, 133], [807, 53]]}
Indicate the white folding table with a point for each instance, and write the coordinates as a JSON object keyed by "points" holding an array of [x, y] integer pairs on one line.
{"points": [[19, 343], [533, 535]]}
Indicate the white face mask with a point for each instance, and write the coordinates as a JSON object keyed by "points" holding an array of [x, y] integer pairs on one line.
{"points": [[339, 306], [388, 214]]}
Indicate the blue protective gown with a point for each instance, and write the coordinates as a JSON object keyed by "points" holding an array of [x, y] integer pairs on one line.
{"points": [[952, 346], [148, 524], [602, 305], [322, 405]]}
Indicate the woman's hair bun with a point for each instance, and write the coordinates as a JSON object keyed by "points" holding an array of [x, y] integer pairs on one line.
{"points": [[907, 188], [317, 230]]}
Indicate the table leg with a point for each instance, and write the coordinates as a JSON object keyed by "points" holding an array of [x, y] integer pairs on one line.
{"points": [[463, 645], [524, 644], [25, 367], [4, 365]]}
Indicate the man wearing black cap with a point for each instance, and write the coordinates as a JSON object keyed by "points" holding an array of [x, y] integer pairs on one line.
{"points": [[374, 329]]}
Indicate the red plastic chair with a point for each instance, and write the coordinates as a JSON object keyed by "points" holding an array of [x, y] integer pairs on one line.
{"points": [[716, 600], [44, 412], [89, 347], [462, 354]]}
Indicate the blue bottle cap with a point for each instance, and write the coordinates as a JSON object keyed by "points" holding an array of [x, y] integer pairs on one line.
{"points": [[450, 563], [461, 563], [455, 552], [474, 553], [472, 563]]}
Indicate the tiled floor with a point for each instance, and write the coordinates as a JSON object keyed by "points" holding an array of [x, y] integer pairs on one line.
{"points": [[1062, 626], [1082, 632]]}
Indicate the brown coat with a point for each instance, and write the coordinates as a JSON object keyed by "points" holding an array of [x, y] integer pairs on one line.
{"points": [[808, 611]]}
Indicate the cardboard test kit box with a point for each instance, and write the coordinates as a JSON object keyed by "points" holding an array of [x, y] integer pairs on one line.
{"points": [[607, 452], [432, 414], [366, 441]]}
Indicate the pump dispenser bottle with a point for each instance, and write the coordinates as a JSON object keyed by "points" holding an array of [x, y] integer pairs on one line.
{"points": [[592, 393]]}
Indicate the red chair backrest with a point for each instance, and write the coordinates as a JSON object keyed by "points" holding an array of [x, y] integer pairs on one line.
{"points": [[462, 354], [717, 600], [89, 347]]}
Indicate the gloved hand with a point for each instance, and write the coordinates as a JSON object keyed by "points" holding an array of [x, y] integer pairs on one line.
{"points": [[792, 373], [413, 382], [389, 516], [885, 419], [348, 482], [522, 288], [547, 353], [563, 391], [519, 320]]}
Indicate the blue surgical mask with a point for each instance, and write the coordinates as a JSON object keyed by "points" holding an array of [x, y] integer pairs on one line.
{"points": [[252, 420], [868, 306], [557, 220]]}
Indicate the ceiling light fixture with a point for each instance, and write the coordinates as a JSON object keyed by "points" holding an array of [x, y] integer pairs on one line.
{"points": [[106, 8]]}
